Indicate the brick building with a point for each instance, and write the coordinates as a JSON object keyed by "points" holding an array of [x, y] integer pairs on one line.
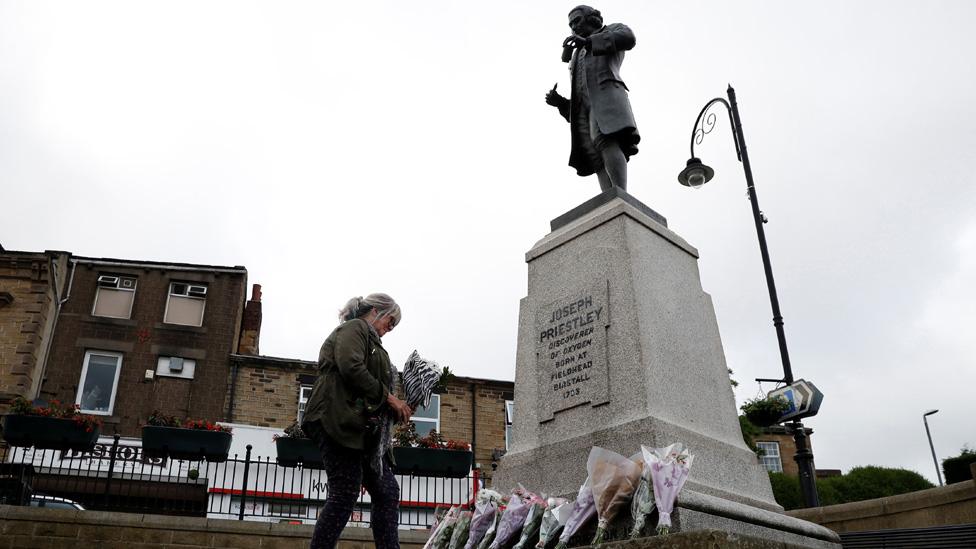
{"points": [[31, 289], [778, 448], [134, 336]]}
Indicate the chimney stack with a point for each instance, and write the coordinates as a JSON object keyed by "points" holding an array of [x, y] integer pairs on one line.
{"points": [[251, 324]]}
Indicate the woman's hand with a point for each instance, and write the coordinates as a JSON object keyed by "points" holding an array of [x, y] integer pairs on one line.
{"points": [[401, 412]]}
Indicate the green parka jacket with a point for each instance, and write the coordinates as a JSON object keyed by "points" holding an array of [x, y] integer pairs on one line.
{"points": [[353, 383]]}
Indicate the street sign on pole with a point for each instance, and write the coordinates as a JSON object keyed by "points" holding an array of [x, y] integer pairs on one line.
{"points": [[804, 399]]}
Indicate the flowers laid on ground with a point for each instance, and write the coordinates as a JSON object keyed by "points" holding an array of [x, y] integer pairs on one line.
{"points": [[584, 509], [670, 467], [649, 480], [614, 479], [485, 511], [57, 410], [159, 419], [764, 412]]}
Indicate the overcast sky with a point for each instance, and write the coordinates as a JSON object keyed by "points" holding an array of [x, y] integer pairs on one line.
{"points": [[341, 149]]}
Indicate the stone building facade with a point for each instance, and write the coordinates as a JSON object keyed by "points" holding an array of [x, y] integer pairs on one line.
{"points": [[31, 288], [136, 336], [778, 448]]}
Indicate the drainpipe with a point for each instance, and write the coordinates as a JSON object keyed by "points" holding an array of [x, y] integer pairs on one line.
{"points": [[233, 390], [57, 313], [474, 420]]}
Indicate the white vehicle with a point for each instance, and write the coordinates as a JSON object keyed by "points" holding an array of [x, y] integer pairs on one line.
{"points": [[52, 502]]}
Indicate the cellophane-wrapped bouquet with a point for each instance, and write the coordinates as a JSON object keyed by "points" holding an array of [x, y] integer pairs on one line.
{"points": [[489, 537], [643, 502], [461, 531], [519, 505], [557, 511], [484, 517], [533, 522], [440, 537], [420, 376], [584, 509], [613, 479], [669, 471]]}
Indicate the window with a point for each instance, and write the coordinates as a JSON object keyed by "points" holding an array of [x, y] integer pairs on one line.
{"points": [[304, 392], [509, 413], [176, 366], [99, 380], [114, 296], [770, 456], [185, 304], [428, 418]]}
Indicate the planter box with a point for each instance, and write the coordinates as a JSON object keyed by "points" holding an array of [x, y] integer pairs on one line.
{"points": [[188, 444], [432, 463], [47, 433], [292, 451]]}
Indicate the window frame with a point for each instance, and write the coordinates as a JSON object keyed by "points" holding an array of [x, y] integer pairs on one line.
{"points": [[765, 455], [115, 382], [437, 421], [170, 295], [302, 400], [98, 289]]}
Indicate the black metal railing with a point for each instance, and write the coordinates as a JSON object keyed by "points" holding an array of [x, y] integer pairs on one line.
{"points": [[116, 476]]}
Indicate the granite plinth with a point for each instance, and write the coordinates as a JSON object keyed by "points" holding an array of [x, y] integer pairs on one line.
{"points": [[661, 360], [601, 199]]}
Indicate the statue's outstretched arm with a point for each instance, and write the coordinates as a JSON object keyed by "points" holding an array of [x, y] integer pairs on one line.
{"points": [[613, 38]]}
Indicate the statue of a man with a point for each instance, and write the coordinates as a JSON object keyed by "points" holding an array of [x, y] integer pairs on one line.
{"points": [[604, 134]]}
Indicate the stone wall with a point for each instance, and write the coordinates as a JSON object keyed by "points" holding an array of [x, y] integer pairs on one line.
{"points": [[265, 391], [32, 527], [485, 399], [28, 307], [942, 506]]}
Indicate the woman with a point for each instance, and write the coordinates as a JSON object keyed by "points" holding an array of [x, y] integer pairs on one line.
{"points": [[350, 413]]}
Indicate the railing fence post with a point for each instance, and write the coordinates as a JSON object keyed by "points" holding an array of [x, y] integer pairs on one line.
{"points": [[247, 463], [111, 467]]}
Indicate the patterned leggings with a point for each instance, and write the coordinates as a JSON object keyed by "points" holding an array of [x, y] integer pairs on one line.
{"points": [[347, 471]]}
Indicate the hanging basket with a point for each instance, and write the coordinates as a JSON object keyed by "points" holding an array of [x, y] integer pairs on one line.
{"points": [[294, 451], [48, 433], [188, 444]]}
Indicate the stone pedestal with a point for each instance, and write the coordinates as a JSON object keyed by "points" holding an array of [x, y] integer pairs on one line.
{"points": [[618, 346]]}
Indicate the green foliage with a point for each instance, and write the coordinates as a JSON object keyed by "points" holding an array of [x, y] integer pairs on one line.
{"points": [[859, 484], [956, 469], [786, 490], [292, 431], [765, 411], [732, 380], [749, 433]]}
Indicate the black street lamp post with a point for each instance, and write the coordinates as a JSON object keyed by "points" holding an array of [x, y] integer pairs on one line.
{"points": [[697, 174], [925, 420]]}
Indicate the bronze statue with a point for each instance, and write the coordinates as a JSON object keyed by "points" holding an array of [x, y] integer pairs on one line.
{"points": [[604, 134]]}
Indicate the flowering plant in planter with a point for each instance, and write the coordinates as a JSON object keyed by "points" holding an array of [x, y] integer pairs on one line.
{"points": [[295, 447], [56, 426], [192, 439], [764, 412], [430, 455]]}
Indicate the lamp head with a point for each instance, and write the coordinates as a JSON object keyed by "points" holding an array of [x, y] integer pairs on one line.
{"points": [[695, 174], [930, 412]]}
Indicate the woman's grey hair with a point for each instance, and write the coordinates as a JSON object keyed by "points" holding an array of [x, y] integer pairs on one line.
{"points": [[359, 306]]}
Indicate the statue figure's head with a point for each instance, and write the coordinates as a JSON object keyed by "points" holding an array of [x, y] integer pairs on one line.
{"points": [[584, 20]]}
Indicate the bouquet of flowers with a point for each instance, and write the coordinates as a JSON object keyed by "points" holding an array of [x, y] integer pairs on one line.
{"points": [[519, 505], [584, 508], [485, 511], [614, 479], [533, 522], [420, 376], [461, 531], [440, 537], [557, 511], [643, 502], [669, 471], [489, 537]]}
